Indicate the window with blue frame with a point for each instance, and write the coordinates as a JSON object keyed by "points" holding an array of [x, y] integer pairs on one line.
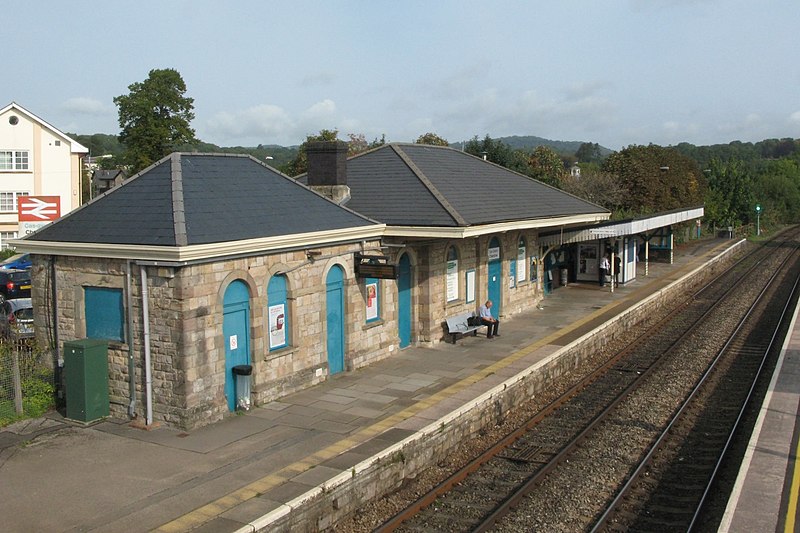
{"points": [[104, 313], [277, 312], [373, 292]]}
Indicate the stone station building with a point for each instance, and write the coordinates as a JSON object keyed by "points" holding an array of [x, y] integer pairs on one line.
{"points": [[204, 262]]}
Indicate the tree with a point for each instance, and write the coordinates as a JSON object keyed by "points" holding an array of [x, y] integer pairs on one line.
{"points": [[154, 117], [358, 143], [589, 153], [598, 187], [656, 178], [498, 152], [433, 139], [546, 165], [730, 193]]}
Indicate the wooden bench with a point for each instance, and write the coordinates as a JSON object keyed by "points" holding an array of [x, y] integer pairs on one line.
{"points": [[460, 325]]}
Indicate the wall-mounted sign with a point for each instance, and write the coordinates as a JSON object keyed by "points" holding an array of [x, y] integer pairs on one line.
{"points": [[38, 208], [375, 266], [494, 253], [451, 280]]}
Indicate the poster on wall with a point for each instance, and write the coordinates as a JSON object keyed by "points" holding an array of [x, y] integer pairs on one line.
{"points": [[534, 268], [521, 263], [470, 285], [452, 280], [372, 301], [494, 253], [277, 321]]}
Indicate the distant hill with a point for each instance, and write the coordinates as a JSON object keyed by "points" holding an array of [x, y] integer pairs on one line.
{"points": [[276, 156], [272, 154], [529, 142]]}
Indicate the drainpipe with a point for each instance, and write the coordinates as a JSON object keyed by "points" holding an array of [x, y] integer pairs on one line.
{"points": [[59, 362], [148, 377], [131, 362]]}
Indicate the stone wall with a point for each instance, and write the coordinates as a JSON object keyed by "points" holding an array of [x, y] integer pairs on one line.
{"points": [[430, 270], [187, 346]]}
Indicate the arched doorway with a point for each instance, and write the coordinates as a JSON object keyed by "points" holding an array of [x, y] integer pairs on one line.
{"points": [[404, 300], [334, 288], [495, 276], [236, 333]]}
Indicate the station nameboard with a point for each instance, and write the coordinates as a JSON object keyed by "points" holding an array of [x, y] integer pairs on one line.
{"points": [[375, 266]]}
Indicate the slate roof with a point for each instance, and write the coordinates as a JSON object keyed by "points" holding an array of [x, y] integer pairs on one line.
{"points": [[422, 185], [107, 175], [191, 199]]}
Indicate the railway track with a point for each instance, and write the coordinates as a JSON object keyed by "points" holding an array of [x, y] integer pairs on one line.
{"points": [[528, 460], [669, 488]]}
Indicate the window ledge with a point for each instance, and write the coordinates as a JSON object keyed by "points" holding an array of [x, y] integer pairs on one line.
{"points": [[280, 352], [373, 324]]}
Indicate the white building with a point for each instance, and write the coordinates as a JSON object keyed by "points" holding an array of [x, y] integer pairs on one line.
{"points": [[36, 159]]}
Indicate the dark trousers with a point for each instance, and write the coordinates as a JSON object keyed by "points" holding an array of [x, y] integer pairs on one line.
{"points": [[603, 274], [491, 327]]}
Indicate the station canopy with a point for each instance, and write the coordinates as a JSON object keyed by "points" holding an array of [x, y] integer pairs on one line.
{"points": [[620, 228]]}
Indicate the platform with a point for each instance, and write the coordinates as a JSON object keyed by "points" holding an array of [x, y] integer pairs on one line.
{"points": [[112, 476], [765, 495]]}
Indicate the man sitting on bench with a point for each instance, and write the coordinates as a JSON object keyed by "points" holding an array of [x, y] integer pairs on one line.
{"points": [[488, 320]]}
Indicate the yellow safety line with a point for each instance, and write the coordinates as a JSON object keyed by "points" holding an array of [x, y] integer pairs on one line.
{"points": [[791, 510], [211, 510]]}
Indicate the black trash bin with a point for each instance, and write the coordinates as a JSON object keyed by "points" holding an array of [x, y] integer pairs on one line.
{"points": [[242, 375]]}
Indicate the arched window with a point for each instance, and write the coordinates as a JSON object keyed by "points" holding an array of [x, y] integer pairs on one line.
{"points": [[521, 262], [451, 277], [277, 312]]}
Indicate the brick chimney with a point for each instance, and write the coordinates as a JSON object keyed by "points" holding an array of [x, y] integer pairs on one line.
{"points": [[327, 169]]}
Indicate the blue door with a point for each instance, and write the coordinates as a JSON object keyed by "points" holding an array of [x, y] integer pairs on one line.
{"points": [[236, 333], [495, 276], [404, 300], [334, 286]]}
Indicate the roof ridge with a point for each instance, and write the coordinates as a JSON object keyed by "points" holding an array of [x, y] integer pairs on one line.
{"points": [[178, 206], [430, 186]]}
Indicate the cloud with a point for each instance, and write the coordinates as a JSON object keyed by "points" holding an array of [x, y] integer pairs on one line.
{"points": [[267, 123], [795, 117], [320, 111], [86, 106], [259, 122]]}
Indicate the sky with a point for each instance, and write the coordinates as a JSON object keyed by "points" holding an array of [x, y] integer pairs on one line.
{"points": [[617, 72]]}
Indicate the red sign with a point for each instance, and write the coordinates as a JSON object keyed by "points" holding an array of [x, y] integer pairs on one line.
{"points": [[38, 208]]}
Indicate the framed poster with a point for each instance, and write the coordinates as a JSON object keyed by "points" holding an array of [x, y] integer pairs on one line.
{"points": [[470, 286], [452, 280], [521, 262], [277, 321], [372, 300]]}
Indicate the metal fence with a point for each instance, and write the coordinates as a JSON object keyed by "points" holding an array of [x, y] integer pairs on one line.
{"points": [[26, 381]]}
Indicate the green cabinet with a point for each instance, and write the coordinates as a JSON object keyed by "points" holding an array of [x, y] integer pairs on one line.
{"points": [[86, 379]]}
